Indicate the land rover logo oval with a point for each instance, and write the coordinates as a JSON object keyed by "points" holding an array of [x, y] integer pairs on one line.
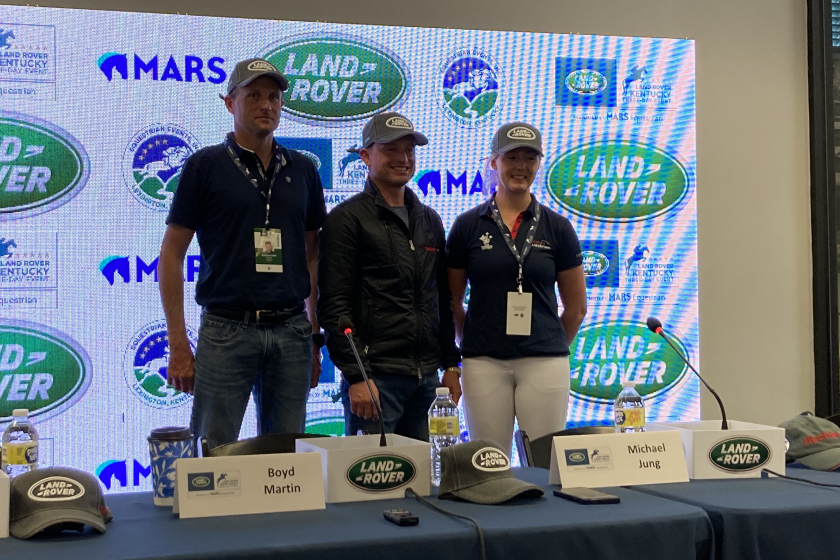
{"points": [[521, 133], [337, 79], [41, 166], [41, 369], [315, 159], [740, 454], [586, 82], [576, 457], [490, 459], [381, 473], [261, 65], [399, 122], [200, 481], [604, 354], [594, 263], [56, 489], [618, 181]]}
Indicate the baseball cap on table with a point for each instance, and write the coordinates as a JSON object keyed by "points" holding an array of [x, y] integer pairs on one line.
{"points": [[249, 70], [813, 441], [479, 471], [387, 127], [56, 498], [517, 135]]}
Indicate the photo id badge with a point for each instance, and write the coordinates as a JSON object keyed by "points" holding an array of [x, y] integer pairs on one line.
{"points": [[519, 313], [268, 250]]}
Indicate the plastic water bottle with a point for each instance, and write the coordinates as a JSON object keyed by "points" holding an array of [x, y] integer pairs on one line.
{"points": [[629, 409], [444, 428], [20, 444]]}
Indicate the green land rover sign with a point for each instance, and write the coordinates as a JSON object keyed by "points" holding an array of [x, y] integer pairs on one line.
{"points": [[41, 369], [740, 454], [604, 354], [338, 79], [381, 473], [41, 166], [618, 181], [594, 263]]}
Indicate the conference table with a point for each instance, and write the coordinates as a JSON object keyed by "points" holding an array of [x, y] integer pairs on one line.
{"points": [[766, 518], [641, 527]]}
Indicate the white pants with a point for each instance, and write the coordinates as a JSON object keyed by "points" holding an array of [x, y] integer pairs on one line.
{"points": [[534, 390]]}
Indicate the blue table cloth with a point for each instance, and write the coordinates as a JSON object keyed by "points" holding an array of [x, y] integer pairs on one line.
{"points": [[641, 527], [766, 518]]}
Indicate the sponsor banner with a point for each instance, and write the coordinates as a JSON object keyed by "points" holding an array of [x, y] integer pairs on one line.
{"points": [[84, 195], [27, 61]]}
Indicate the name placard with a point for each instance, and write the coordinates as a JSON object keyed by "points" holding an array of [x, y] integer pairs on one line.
{"points": [[244, 484], [598, 460]]}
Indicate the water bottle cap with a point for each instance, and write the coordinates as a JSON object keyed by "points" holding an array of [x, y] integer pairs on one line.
{"points": [[628, 383], [20, 412], [442, 391]]}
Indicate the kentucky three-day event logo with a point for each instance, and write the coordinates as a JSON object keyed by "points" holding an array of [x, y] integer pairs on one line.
{"points": [[188, 68], [145, 366], [27, 61], [469, 87], [336, 79], [153, 162]]}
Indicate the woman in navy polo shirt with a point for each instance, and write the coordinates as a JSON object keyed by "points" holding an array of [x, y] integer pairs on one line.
{"points": [[514, 344]]}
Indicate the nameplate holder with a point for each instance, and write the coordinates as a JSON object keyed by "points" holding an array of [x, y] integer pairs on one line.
{"points": [[599, 460], [243, 484]]}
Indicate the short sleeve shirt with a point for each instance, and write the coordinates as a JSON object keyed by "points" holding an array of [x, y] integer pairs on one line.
{"points": [[223, 207], [476, 245]]}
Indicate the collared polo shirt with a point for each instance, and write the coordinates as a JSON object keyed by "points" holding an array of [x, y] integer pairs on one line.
{"points": [[476, 245], [223, 207]]}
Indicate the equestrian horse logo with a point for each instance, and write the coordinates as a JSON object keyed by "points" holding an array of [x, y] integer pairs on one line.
{"points": [[637, 74], [5, 36], [5, 247], [640, 253]]}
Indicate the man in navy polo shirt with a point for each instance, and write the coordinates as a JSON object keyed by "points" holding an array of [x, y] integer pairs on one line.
{"points": [[256, 208]]}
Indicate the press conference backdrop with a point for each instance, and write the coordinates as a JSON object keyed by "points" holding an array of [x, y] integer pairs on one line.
{"points": [[99, 110]]}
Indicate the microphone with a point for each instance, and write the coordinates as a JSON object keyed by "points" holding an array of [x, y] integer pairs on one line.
{"points": [[346, 326], [655, 325]]}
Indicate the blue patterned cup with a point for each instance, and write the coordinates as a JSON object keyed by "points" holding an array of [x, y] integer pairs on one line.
{"points": [[167, 445]]}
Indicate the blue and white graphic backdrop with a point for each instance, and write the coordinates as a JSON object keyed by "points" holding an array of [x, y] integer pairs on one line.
{"points": [[99, 110]]}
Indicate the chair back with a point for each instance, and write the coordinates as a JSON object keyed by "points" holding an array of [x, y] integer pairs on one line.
{"points": [[537, 453], [261, 445]]}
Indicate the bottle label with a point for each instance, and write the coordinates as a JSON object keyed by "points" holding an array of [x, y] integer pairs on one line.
{"points": [[443, 426], [20, 453], [630, 417]]}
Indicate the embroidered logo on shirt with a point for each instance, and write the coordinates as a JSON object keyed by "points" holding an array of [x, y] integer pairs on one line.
{"points": [[542, 245], [485, 240]]}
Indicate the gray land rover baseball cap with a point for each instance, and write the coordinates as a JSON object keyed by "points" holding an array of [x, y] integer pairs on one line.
{"points": [[813, 441], [249, 70], [517, 135], [479, 471], [56, 499], [387, 127]]}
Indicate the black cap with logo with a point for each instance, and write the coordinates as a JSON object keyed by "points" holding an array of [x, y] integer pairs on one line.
{"points": [[813, 442], [517, 135], [388, 127], [56, 499], [479, 471]]}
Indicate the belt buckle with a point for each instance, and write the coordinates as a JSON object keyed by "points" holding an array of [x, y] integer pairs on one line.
{"points": [[265, 315]]}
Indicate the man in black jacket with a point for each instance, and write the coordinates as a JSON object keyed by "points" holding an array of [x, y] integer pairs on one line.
{"points": [[382, 265]]}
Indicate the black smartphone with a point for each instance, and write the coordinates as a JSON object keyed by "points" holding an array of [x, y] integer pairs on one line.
{"points": [[586, 496], [401, 517]]}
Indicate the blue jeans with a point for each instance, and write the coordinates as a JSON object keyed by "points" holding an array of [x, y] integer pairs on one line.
{"points": [[234, 359], [405, 402]]}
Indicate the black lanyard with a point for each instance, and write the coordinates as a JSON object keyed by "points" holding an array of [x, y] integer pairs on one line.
{"points": [[253, 180], [529, 240]]}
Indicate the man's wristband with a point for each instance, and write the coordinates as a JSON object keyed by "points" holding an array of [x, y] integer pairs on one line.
{"points": [[456, 369]]}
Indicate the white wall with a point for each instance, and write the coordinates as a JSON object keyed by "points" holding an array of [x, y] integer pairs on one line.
{"points": [[753, 172]]}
